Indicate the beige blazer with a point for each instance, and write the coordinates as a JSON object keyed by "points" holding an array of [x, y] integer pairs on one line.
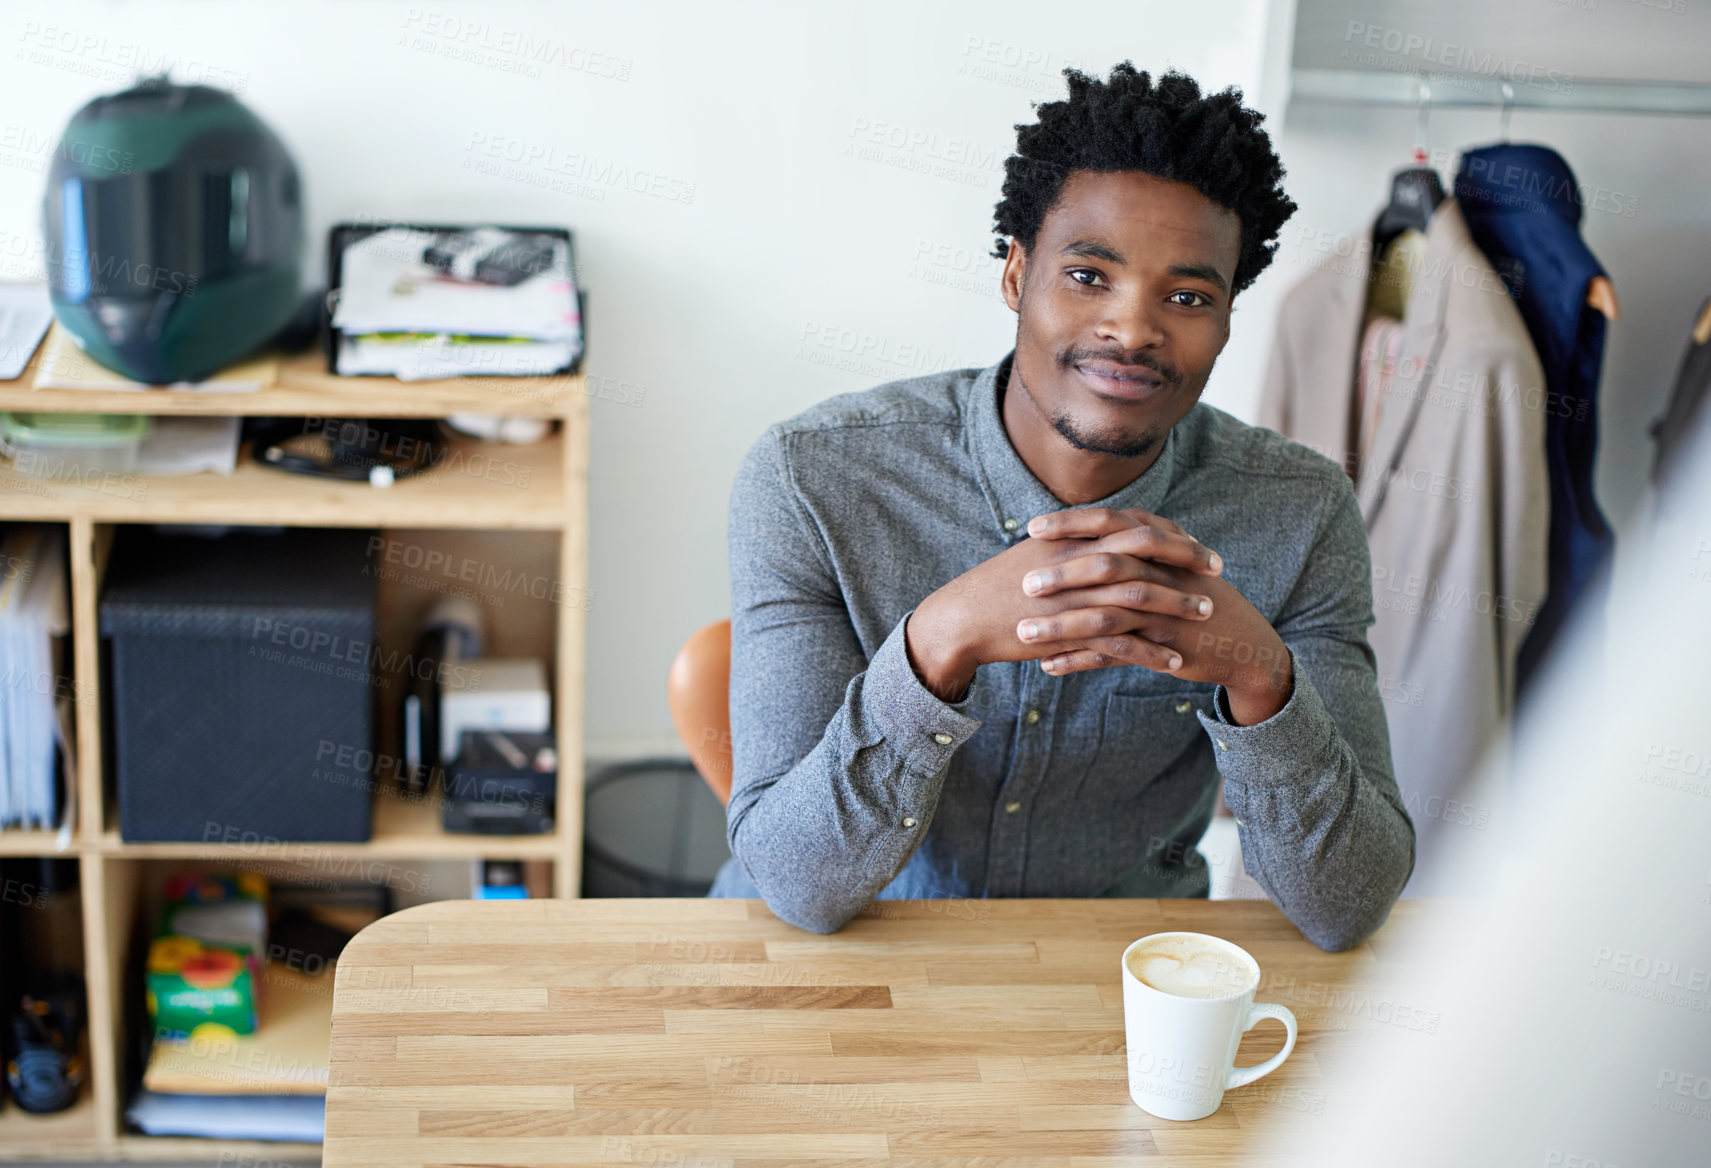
{"points": [[1456, 503]]}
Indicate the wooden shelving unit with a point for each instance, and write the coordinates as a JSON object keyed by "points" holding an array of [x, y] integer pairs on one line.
{"points": [[504, 506]]}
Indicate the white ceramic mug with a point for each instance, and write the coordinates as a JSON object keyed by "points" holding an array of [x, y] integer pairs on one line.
{"points": [[1182, 1050]]}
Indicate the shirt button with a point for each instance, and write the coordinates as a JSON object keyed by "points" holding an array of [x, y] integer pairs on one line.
{"points": [[1184, 707], [1012, 807], [908, 821], [1033, 716], [943, 739], [1011, 525]]}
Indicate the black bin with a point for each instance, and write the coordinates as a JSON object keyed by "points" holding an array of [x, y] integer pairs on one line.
{"points": [[651, 828], [239, 675]]}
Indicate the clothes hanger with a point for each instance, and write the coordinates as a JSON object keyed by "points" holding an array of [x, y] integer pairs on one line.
{"points": [[1415, 191], [1600, 293]]}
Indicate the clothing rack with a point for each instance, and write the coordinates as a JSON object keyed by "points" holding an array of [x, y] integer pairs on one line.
{"points": [[1451, 90]]}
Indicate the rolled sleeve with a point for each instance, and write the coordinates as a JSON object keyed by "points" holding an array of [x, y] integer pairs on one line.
{"points": [[922, 728], [838, 756], [1323, 828], [1296, 742], [822, 839]]}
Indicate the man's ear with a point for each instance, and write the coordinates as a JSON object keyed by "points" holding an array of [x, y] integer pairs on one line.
{"points": [[1014, 275]]}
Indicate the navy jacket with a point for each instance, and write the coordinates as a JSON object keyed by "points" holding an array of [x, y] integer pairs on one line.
{"points": [[1523, 208]]}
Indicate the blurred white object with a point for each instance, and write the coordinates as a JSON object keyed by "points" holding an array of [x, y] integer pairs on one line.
{"points": [[180, 446], [500, 693], [1223, 852], [1575, 998], [498, 428], [25, 313]]}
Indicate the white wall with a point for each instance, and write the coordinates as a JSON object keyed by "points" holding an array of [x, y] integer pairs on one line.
{"points": [[776, 224]]}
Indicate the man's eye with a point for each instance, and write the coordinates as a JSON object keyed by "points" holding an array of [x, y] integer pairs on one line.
{"points": [[1194, 299], [1086, 276]]}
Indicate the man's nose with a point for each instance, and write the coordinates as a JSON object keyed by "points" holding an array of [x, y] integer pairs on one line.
{"points": [[1133, 325]]}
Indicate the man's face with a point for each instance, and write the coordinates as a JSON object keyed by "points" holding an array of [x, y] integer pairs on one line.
{"points": [[1122, 304]]}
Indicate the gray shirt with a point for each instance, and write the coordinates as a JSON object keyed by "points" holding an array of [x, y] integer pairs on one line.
{"points": [[851, 780]]}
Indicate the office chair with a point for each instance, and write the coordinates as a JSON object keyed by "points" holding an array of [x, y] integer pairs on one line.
{"points": [[698, 690]]}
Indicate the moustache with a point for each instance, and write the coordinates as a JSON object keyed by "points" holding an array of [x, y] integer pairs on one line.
{"points": [[1072, 357]]}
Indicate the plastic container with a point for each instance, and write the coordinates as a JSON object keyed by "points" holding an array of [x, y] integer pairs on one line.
{"points": [[51, 446]]}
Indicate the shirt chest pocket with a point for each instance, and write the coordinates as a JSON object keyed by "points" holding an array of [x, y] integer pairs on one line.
{"points": [[1142, 734]]}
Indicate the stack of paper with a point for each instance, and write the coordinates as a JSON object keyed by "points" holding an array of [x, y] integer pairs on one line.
{"points": [[270, 1085], [181, 446], [403, 318], [301, 1118], [25, 313], [64, 365], [34, 613], [287, 1054]]}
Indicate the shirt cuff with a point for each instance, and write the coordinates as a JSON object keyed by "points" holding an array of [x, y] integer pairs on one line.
{"points": [[1281, 748], [920, 726]]}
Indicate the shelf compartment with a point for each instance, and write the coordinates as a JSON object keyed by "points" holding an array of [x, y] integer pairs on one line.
{"points": [[43, 936], [305, 387], [403, 829], [64, 1135], [132, 1146], [16, 842], [482, 485]]}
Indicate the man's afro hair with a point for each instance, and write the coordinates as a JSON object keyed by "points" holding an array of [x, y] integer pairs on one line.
{"points": [[1169, 130]]}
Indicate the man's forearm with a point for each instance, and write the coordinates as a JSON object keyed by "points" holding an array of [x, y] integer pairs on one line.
{"points": [[936, 656], [1250, 706], [822, 839], [1326, 843]]}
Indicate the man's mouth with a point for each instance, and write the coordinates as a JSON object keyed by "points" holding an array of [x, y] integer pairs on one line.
{"points": [[1133, 382]]}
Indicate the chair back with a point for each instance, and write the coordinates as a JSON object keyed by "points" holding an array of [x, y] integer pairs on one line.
{"points": [[698, 689]]}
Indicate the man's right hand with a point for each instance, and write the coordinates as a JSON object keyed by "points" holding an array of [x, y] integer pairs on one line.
{"points": [[972, 620]]}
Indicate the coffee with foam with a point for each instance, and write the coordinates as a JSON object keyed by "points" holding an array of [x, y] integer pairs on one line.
{"points": [[1190, 967]]}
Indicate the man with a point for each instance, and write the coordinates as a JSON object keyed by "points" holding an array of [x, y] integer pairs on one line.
{"points": [[945, 684]]}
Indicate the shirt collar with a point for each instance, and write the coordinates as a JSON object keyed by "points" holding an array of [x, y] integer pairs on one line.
{"points": [[1011, 489]]}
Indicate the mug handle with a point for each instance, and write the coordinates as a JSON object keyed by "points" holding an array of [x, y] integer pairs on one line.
{"points": [[1258, 1012]]}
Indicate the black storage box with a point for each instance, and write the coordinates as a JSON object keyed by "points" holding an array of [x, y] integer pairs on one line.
{"points": [[238, 680]]}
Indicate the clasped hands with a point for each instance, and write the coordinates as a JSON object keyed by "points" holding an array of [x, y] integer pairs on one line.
{"points": [[1091, 588]]}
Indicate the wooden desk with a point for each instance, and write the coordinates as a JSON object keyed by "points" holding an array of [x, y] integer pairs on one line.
{"points": [[709, 1034]]}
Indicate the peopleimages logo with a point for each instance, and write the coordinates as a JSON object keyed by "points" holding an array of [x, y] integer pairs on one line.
{"points": [[1451, 56], [1506, 184], [29, 149]]}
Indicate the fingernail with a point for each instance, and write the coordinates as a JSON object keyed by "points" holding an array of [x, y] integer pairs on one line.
{"points": [[1049, 665], [1205, 607], [1036, 526], [1176, 662], [1217, 562], [1029, 630], [1031, 583]]}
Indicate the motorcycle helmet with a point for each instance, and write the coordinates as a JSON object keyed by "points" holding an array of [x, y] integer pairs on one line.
{"points": [[174, 226]]}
